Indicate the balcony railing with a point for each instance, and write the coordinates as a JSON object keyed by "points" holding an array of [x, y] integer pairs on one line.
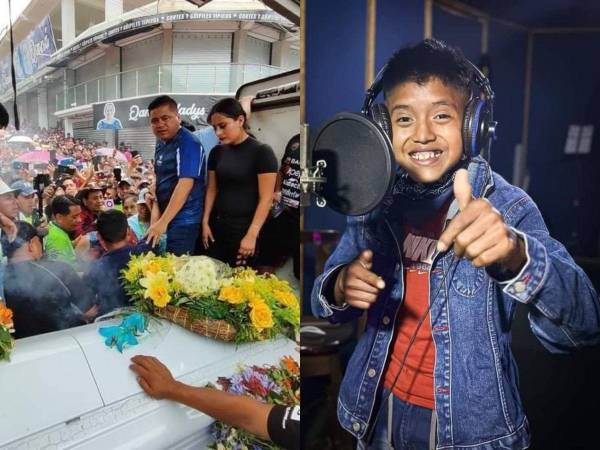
{"points": [[209, 78]]}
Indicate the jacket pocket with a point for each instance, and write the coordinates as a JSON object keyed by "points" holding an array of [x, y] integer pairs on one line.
{"points": [[468, 279]]}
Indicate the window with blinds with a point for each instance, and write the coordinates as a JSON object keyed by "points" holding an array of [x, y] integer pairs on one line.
{"points": [[145, 56], [201, 62]]}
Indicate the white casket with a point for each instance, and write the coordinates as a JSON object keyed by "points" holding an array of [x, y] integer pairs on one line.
{"points": [[68, 390]]}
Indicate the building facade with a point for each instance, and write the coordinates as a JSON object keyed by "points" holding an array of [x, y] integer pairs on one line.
{"points": [[92, 66]]}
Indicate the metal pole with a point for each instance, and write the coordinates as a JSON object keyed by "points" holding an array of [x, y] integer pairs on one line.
{"points": [[428, 19], [485, 35], [187, 76], [370, 42], [520, 165], [159, 78]]}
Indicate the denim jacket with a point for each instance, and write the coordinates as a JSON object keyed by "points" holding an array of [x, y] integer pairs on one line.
{"points": [[475, 376]]}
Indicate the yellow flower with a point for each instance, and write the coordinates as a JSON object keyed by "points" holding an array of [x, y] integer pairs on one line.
{"points": [[232, 294], [157, 288], [134, 269], [152, 266], [261, 316], [286, 298], [246, 274]]}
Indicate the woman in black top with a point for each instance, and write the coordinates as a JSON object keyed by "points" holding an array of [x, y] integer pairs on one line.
{"points": [[239, 192]]}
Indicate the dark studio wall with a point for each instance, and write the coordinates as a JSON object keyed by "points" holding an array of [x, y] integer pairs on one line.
{"points": [[507, 47], [566, 90]]}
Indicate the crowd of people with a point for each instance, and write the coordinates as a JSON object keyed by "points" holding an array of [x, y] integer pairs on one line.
{"points": [[73, 222]]}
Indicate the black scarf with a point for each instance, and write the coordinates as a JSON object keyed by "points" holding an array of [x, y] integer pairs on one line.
{"points": [[414, 190]]}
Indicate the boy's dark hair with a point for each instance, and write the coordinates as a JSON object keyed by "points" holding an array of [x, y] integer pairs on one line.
{"points": [[112, 226], [162, 100], [429, 59], [25, 233], [229, 107], [62, 204]]}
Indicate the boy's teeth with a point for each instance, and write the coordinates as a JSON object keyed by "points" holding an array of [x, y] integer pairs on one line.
{"points": [[423, 155]]}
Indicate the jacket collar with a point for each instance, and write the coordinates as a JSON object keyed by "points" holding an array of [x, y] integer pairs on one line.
{"points": [[480, 177]]}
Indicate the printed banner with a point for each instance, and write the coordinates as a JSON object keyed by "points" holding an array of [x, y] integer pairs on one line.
{"points": [[133, 113]]}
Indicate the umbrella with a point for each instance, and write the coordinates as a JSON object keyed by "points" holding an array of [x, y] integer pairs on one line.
{"points": [[36, 157], [107, 151], [22, 139]]}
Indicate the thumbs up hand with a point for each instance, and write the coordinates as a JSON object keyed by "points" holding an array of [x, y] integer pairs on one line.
{"points": [[357, 285], [479, 233]]}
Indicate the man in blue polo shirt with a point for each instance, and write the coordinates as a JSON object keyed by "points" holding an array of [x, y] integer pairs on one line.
{"points": [[179, 168]]}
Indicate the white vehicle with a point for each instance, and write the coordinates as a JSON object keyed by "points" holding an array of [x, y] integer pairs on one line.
{"points": [[275, 114], [67, 390]]}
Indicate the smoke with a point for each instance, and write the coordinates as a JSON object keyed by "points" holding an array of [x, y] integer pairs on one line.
{"points": [[45, 304]]}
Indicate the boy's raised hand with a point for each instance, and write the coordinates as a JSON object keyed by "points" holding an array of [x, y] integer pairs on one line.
{"points": [[357, 285], [479, 233]]}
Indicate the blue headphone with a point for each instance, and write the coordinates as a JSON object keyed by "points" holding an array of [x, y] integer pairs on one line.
{"points": [[478, 128]]}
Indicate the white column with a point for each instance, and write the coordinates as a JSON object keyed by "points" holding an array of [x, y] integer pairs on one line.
{"points": [[238, 56], [67, 8], [281, 54], [112, 67], [239, 46], [42, 109], [167, 45], [68, 123]]}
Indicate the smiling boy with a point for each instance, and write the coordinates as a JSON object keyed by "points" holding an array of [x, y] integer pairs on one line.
{"points": [[439, 267]]}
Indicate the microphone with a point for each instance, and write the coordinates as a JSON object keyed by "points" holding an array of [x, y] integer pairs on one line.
{"points": [[355, 164]]}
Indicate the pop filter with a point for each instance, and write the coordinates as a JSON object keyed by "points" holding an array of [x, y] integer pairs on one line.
{"points": [[360, 163]]}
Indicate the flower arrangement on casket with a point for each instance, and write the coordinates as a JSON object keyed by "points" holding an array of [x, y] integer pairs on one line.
{"points": [[208, 297], [6, 329], [277, 385]]}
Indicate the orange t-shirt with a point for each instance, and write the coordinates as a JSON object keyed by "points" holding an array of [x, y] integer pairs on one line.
{"points": [[415, 383]]}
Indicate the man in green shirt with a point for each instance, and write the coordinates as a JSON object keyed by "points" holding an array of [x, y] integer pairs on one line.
{"points": [[66, 216]]}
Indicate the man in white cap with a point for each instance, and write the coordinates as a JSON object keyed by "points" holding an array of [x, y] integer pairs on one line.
{"points": [[141, 221], [8, 201], [27, 208], [25, 200], [8, 212]]}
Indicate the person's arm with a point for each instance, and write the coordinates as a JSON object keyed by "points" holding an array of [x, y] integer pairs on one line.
{"points": [[8, 227], [154, 210], [83, 291], [527, 265], [176, 202], [209, 202], [266, 171], [238, 411], [564, 309], [190, 155], [266, 184], [279, 181]]}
